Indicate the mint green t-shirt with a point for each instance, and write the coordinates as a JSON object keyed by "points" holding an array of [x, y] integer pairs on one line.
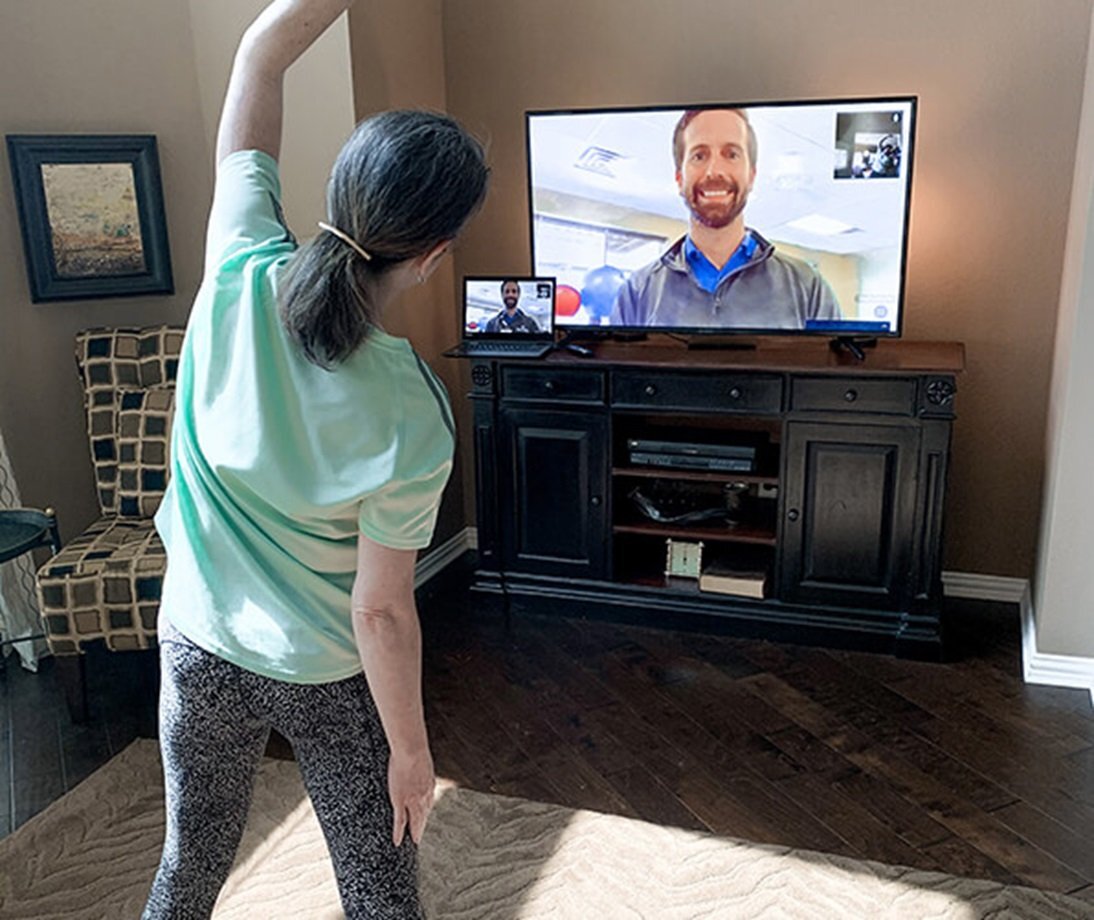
{"points": [[277, 464]]}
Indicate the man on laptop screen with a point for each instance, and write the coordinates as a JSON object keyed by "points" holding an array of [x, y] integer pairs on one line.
{"points": [[511, 318]]}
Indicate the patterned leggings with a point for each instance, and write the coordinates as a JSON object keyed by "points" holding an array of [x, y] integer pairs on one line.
{"points": [[215, 719]]}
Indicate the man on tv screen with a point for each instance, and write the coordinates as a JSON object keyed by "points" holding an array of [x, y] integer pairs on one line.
{"points": [[512, 318], [721, 273]]}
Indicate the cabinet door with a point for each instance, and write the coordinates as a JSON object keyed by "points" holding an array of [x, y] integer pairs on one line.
{"points": [[848, 514], [552, 509]]}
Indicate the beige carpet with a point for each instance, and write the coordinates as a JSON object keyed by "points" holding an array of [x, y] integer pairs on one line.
{"points": [[93, 853]]}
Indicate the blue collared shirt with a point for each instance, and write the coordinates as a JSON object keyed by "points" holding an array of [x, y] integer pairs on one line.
{"points": [[706, 274], [771, 290]]}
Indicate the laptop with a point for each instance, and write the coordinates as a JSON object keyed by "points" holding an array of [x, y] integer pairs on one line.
{"points": [[507, 317]]}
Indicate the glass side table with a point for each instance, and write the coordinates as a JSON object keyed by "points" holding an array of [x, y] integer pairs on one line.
{"points": [[24, 529]]}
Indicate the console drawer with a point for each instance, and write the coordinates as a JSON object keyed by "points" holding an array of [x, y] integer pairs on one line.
{"points": [[753, 393], [552, 385], [853, 394]]}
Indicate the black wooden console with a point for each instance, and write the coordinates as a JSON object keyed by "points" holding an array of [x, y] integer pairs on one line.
{"points": [[842, 511]]}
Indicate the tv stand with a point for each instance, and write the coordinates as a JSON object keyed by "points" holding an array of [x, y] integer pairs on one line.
{"points": [[841, 510], [709, 342], [853, 344]]}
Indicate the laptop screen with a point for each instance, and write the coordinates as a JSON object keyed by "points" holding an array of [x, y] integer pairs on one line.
{"points": [[504, 307]]}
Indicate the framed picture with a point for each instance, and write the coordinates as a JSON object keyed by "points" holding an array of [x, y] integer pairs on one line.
{"points": [[91, 211]]}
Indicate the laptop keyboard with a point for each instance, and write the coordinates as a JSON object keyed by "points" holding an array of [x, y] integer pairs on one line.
{"points": [[499, 347]]}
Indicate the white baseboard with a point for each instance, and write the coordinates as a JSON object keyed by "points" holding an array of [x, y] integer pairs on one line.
{"points": [[1038, 667], [1051, 670], [984, 587]]}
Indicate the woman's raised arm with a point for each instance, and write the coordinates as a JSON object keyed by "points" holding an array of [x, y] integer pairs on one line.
{"points": [[251, 117]]}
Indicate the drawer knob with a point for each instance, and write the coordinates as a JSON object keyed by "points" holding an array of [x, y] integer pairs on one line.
{"points": [[549, 386], [850, 396], [940, 392], [793, 514], [651, 390], [735, 393], [596, 501]]}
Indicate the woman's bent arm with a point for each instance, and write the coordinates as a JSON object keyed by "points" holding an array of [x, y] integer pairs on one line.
{"points": [[389, 640], [251, 117]]}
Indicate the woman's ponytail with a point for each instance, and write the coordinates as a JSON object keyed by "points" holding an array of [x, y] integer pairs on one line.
{"points": [[325, 304], [404, 183]]}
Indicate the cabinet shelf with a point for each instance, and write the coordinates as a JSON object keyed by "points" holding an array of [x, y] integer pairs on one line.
{"points": [[662, 472], [688, 587], [757, 534]]}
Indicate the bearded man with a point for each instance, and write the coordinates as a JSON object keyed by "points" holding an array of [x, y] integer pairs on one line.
{"points": [[511, 318], [721, 273]]}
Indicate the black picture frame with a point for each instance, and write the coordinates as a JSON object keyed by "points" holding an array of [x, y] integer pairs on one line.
{"points": [[80, 197]]}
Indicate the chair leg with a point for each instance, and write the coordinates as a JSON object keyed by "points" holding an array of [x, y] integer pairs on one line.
{"points": [[72, 672]]}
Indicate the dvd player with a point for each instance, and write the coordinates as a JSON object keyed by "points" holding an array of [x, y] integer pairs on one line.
{"points": [[689, 455], [692, 462], [648, 446]]}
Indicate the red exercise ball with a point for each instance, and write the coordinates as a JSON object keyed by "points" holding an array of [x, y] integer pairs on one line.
{"points": [[567, 300]]}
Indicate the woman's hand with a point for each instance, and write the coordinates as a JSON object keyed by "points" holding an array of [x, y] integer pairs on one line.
{"points": [[410, 782]]}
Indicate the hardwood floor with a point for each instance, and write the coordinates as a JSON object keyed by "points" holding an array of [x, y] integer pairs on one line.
{"points": [[42, 754], [958, 767]]}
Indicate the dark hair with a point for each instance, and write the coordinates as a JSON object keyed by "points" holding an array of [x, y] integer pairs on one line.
{"points": [[403, 183], [506, 281], [689, 116]]}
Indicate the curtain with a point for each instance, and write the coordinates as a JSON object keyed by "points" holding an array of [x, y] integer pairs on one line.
{"points": [[18, 600]]}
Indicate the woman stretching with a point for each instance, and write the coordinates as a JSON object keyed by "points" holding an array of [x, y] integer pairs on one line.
{"points": [[309, 453]]}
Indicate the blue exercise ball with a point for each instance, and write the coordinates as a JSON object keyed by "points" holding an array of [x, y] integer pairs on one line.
{"points": [[601, 286]]}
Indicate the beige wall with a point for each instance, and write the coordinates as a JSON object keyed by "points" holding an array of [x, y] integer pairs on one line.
{"points": [[113, 66], [398, 54], [1064, 587], [1000, 85], [318, 101]]}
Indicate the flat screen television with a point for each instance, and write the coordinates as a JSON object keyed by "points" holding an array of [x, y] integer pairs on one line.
{"points": [[787, 217]]}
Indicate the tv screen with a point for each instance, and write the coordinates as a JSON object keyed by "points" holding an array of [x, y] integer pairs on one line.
{"points": [[772, 218]]}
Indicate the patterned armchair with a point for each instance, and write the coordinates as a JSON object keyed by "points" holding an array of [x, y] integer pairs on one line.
{"points": [[105, 584]]}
